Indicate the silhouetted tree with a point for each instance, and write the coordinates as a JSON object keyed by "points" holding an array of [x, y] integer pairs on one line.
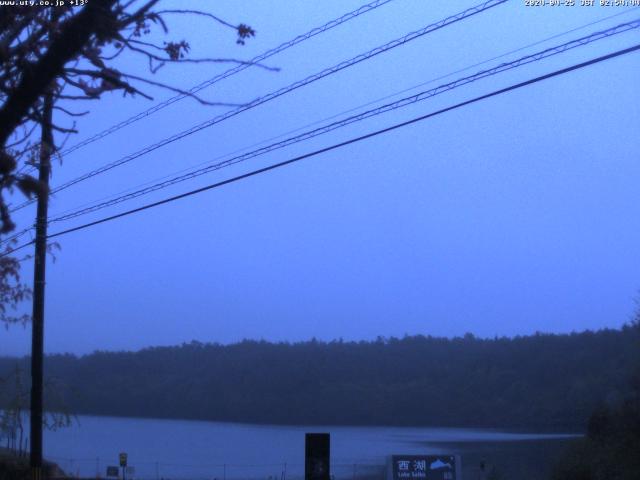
{"points": [[70, 52]]}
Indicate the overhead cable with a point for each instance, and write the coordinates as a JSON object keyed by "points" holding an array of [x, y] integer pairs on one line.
{"points": [[282, 91], [404, 102], [353, 109], [336, 146], [232, 71]]}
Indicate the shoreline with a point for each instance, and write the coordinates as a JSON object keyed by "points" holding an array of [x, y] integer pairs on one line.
{"points": [[552, 432]]}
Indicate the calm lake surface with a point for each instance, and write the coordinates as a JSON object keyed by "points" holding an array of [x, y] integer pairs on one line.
{"points": [[198, 449]]}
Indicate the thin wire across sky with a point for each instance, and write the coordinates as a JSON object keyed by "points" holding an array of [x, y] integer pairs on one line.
{"points": [[398, 42], [228, 73], [252, 148], [367, 136], [401, 103]]}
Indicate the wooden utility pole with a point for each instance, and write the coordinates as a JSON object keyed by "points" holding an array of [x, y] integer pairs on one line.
{"points": [[40, 259]]}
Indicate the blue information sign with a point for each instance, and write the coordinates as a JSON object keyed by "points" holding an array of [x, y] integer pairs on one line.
{"points": [[424, 467], [113, 471]]}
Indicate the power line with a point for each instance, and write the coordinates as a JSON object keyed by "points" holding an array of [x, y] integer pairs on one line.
{"points": [[401, 103], [15, 236], [273, 95], [227, 73], [353, 109], [232, 71], [396, 126]]}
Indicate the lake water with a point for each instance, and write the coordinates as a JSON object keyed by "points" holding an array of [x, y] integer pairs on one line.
{"points": [[197, 449]]}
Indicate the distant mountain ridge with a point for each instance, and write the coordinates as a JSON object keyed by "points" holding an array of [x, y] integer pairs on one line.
{"points": [[544, 381]]}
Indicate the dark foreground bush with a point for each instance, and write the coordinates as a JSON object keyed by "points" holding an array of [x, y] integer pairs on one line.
{"points": [[611, 449], [13, 467]]}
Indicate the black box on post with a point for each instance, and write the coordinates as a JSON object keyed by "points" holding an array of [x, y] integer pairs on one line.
{"points": [[316, 456]]}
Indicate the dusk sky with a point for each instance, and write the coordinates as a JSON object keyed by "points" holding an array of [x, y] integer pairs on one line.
{"points": [[517, 214]]}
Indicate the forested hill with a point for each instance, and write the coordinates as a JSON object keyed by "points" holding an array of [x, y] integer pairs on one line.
{"points": [[541, 381]]}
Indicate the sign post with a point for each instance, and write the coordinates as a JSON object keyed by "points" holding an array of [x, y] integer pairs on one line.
{"points": [[316, 456], [123, 464]]}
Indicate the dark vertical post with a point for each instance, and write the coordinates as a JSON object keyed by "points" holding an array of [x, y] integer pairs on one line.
{"points": [[316, 455], [37, 322]]}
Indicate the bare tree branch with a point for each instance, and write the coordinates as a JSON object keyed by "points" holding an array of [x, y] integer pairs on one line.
{"points": [[177, 58], [75, 33], [182, 92], [67, 52], [70, 113], [199, 12]]}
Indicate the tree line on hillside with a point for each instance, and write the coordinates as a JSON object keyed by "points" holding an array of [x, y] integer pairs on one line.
{"points": [[543, 381]]}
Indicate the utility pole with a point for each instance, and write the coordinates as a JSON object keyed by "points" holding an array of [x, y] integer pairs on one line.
{"points": [[37, 322]]}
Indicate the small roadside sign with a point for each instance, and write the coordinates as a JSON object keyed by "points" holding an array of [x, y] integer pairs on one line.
{"points": [[123, 459], [130, 470], [424, 467], [113, 471]]}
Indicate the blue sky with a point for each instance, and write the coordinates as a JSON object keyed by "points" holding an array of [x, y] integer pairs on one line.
{"points": [[514, 215]]}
